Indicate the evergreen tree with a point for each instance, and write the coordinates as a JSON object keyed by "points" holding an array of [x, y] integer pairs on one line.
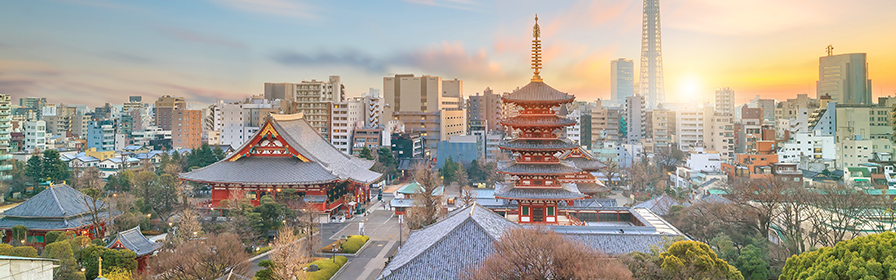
{"points": [[34, 169], [55, 169], [366, 153], [448, 169]]}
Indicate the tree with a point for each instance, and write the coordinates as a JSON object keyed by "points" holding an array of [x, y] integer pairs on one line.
{"points": [[54, 169], [386, 162], [866, 257], [145, 182], [68, 266], [366, 153], [163, 200], [751, 263], [188, 228], [90, 178], [272, 214], [467, 195], [612, 172], [93, 200], [34, 169], [202, 259], [845, 204], [448, 170], [19, 234], [460, 176], [288, 255], [124, 259], [695, 260], [475, 172], [426, 203], [540, 253]]}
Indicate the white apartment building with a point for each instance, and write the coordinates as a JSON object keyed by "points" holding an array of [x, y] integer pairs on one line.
{"points": [[719, 135], [724, 101], [35, 136], [853, 152], [344, 118], [690, 124], [574, 132], [806, 145]]}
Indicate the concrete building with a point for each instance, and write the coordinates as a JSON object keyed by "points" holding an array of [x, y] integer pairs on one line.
{"points": [[720, 135], [485, 108], [366, 137], [21, 268], [427, 105], [101, 135], [622, 79], [853, 152], [751, 126], [635, 113], [164, 108], [312, 98], [808, 146], [661, 127], [690, 128], [5, 137], [344, 118], [724, 101], [135, 103], [35, 136], [605, 123], [187, 129], [845, 78], [865, 121]]}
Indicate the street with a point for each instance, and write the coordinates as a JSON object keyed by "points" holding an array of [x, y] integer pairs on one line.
{"points": [[382, 228]]}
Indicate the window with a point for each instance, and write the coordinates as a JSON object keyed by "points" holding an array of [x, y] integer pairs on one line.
{"points": [[525, 210], [550, 211]]}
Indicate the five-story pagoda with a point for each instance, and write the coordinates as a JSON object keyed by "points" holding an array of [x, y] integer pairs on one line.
{"points": [[535, 171]]}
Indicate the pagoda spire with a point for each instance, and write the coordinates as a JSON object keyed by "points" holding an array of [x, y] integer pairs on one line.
{"points": [[536, 51]]}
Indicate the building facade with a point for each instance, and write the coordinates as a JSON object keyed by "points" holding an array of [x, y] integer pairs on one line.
{"points": [[845, 78], [427, 105], [622, 80]]}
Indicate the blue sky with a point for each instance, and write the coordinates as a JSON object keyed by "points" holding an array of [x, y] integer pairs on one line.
{"points": [[96, 51]]}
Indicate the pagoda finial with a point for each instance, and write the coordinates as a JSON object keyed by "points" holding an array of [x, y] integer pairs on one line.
{"points": [[536, 51]]}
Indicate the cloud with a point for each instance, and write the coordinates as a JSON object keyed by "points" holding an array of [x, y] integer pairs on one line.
{"points": [[200, 94], [125, 57], [466, 5], [283, 8], [196, 37], [446, 58], [350, 58]]}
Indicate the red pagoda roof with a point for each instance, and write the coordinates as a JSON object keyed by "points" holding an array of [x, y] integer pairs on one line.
{"points": [[538, 92], [541, 121]]}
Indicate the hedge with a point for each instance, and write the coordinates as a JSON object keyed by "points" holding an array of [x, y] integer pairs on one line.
{"points": [[354, 243], [327, 267]]}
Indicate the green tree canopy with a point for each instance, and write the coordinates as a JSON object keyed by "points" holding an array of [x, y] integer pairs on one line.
{"points": [[695, 260], [449, 168], [366, 153], [125, 259], [868, 257]]}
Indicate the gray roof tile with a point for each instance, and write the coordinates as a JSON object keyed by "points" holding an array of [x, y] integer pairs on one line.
{"points": [[507, 191], [57, 201], [262, 170], [447, 248], [134, 240], [538, 91], [537, 168]]}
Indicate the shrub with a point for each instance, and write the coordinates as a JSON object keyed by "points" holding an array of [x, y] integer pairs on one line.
{"points": [[327, 267], [51, 236], [354, 243]]}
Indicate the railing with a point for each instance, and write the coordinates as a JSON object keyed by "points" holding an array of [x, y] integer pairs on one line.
{"points": [[574, 221]]}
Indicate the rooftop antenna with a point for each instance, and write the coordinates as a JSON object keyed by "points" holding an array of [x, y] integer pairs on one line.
{"points": [[830, 50]]}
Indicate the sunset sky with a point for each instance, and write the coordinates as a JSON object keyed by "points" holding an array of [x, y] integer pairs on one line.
{"points": [[96, 51]]}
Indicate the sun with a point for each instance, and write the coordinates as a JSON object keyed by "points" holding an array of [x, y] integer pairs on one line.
{"points": [[690, 88]]}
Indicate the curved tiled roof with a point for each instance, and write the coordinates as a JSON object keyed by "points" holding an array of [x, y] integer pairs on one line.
{"points": [[536, 168], [524, 144], [538, 92], [447, 248], [262, 170], [592, 187], [586, 164], [134, 240], [58, 201], [566, 192], [528, 121]]}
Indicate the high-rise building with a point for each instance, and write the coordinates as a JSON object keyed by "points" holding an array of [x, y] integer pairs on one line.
{"points": [[660, 127], [345, 117], [101, 135], [427, 105], [605, 123], [651, 79], [5, 129], [312, 98], [844, 77], [486, 109], [622, 80], [186, 129], [164, 110], [634, 116], [690, 130], [725, 101]]}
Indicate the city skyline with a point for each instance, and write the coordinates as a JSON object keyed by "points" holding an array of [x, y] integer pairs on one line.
{"points": [[92, 52]]}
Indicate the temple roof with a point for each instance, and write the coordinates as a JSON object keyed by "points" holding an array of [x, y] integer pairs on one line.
{"points": [[322, 162], [538, 169], [537, 92], [568, 191], [57, 201], [591, 188], [532, 121], [263, 171], [134, 240], [447, 248], [586, 164], [526, 144]]}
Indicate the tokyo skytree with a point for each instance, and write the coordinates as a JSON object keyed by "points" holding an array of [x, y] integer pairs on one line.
{"points": [[651, 79]]}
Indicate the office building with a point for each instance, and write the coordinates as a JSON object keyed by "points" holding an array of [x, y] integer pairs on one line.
{"points": [[486, 109], [724, 101], [311, 98], [635, 114], [844, 77], [164, 110], [427, 105], [186, 129], [622, 80]]}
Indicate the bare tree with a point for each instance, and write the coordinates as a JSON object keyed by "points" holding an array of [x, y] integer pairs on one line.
{"points": [[289, 255], [93, 199], [467, 195], [612, 171], [460, 176], [794, 214], [426, 203], [539, 253], [837, 213], [202, 259], [188, 228], [763, 197]]}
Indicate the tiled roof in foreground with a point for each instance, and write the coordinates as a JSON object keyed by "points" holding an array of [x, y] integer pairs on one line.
{"points": [[447, 248]]}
